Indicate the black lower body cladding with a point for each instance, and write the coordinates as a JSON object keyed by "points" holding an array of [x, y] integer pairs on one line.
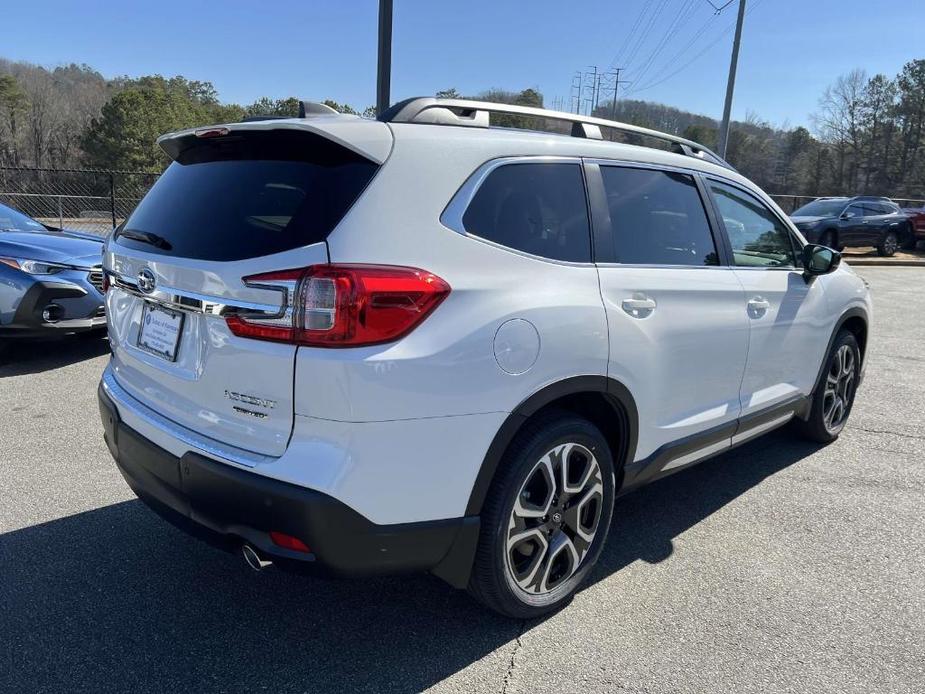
{"points": [[229, 506]]}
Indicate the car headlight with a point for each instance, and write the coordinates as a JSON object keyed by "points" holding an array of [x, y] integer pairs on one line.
{"points": [[33, 267]]}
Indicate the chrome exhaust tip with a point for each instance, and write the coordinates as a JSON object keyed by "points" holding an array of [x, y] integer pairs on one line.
{"points": [[254, 559]]}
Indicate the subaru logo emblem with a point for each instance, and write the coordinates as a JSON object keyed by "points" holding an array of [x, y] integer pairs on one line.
{"points": [[146, 281]]}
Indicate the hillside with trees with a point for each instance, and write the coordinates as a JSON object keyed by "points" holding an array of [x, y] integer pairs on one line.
{"points": [[868, 133]]}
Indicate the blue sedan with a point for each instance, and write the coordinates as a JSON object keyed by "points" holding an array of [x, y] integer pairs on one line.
{"points": [[51, 282]]}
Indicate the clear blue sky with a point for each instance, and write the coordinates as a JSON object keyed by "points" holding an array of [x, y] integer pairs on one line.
{"points": [[326, 49]]}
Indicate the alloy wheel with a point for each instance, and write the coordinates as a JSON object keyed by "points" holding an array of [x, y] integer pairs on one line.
{"points": [[839, 388], [890, 244], [555, 519]]}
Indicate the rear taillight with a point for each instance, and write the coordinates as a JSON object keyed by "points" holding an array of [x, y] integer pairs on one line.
{"points": [[344, 305], [288, 542]]}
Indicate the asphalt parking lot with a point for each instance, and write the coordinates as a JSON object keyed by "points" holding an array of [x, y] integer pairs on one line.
{"points": [[779, 567]]}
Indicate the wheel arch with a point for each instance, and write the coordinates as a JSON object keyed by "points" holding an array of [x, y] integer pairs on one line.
{"points": [[606, 402], [856, 321]]}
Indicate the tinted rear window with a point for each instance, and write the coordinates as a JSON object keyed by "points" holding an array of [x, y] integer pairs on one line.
{"points": [[242, 197], [536, 208]]}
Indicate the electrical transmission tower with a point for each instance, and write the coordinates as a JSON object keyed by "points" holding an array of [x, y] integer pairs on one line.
{"points": [[591, 88]]}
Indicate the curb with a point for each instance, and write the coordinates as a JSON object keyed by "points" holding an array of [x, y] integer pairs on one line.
{"points": [[876, 262]]}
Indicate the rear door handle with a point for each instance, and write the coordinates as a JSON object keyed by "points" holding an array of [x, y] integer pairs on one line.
{"points": [[639, 306]]}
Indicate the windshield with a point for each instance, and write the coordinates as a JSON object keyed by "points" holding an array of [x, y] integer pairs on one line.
{"points": [[11, 220], [821, 208]]}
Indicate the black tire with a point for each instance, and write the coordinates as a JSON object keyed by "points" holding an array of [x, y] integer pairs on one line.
{"points": [[493, 581], [815, 427], [888, 245]]}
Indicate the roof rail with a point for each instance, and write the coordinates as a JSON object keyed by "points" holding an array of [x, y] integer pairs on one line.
{"points": [[468, 112]]}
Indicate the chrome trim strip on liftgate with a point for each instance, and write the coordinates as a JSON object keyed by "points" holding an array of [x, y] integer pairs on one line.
{"points": [[202, 303]]}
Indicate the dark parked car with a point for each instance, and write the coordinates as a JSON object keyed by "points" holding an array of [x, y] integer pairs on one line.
{"points": [[858, 221], [51, 281]]}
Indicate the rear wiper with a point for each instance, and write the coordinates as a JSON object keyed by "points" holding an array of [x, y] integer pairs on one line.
{"points": [[146, 237]]}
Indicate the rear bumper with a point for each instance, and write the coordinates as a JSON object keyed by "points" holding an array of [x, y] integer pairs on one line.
{"points": [[80, 311], [227, 506]]}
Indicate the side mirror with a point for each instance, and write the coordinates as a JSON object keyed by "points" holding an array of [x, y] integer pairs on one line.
{"points": [[846, 215], [819, 260]]}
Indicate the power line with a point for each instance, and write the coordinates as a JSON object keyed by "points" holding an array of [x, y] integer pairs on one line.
{"points": [[677, 56], [686, 65], [687, 10], [647, 29], [642, 13]]}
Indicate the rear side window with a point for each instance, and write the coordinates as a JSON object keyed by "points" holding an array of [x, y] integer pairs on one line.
{"points": [[657, 218], [758, 237], [535, 208], [239, 197], [855, 210]]}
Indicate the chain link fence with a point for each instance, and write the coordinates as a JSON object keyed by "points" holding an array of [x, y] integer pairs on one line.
{"points": [[97, 201], [79, 199]]}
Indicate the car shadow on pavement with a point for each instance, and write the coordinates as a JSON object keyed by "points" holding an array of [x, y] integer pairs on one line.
{"points": [[117, 600], [23, 357]]}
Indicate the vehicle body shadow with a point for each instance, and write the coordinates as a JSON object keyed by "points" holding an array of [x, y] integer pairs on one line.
{"points": [[22, 357], [117, 600]]}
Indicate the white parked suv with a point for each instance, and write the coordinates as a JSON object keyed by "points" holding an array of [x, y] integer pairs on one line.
{"points": [[425, 344]]}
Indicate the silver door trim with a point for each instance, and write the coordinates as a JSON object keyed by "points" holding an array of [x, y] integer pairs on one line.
{"points": [[698, 455], [754, 431]]}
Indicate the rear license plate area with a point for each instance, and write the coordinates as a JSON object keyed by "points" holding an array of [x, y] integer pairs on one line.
{"points": [[160, 331]]}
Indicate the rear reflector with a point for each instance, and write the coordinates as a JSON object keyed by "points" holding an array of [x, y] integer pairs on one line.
{"points": [[345, 305], [288, 542]]}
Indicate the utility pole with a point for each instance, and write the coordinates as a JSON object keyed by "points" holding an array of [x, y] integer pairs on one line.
{"points": [[593, 89], [384, 69], [575, 91], [730, 85], [616, 87]]}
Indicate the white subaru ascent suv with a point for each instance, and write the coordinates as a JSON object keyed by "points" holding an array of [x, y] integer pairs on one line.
{"points": [[421, 343]]}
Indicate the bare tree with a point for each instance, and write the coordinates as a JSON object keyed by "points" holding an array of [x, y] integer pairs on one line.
{"points": [[839, 124]]}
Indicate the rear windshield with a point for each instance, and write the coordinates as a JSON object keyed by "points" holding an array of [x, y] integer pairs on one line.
{"points": [[237, 197]]}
